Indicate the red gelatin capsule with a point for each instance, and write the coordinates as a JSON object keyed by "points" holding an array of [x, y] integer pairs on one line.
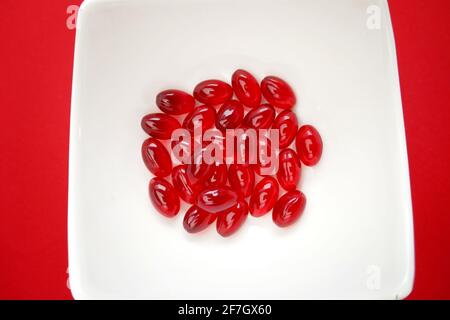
{"points": [[309, 145], [203, 117], [196, 219], [287, 125], [266, 154], [242, 151], [260, 118], [289, 208], [163, 197], [183, 186], [278, 93], [289, 169], [214, 146], [230, 221], [159, 125], [184, 148], [230, 115], [218, 177], [246, 88], [217, 199], [264, 197], [242, 179], [156, 157], [175, 102], [213, 92], [199, 173]]}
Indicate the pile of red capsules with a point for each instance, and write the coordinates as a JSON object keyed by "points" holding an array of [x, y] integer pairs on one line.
{"points": [[225, 192]]}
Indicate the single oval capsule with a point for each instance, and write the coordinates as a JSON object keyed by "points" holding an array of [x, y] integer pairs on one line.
{"points": [[201, 118], [175, 102], [230, 221], [216, 199], [287, 125], [289, 208], [264, 197], [289, 169], [186, 190], [159, 125], [278, 93], [213, 92], [260, 118], [218, 177], [242, 179], [246, 88], [230, 115], [164, 197], [196, 220], [309, 145], [156, 157]]}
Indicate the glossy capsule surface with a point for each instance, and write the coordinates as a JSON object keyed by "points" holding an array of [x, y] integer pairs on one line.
{"points": [[230, 115], [216, 199], [287, 125], [196, 220], [246, 88], [230, 221], [214, 146], [175, 102], [156, 157], [264, 197], [213, 92], [289, 169], [202, 117], [218, 177], [242, 153], [163, 197], [183, 186], [159, 125], [309, 145], [184, 148], [198, 171], [266, 154], [242, 179], [260, 118], [278, 92], [289, 208]]}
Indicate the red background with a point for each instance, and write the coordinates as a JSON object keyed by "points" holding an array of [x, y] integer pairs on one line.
{"points": [[36, 59]]}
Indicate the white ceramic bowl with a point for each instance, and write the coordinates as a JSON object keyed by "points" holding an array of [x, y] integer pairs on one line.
{"points": [[355, 239]]}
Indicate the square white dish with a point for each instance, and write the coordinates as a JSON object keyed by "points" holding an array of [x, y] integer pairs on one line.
{"points": [[355, 239]]}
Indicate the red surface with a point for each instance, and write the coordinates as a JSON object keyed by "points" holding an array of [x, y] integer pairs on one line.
{"points": [[36, 67]]}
